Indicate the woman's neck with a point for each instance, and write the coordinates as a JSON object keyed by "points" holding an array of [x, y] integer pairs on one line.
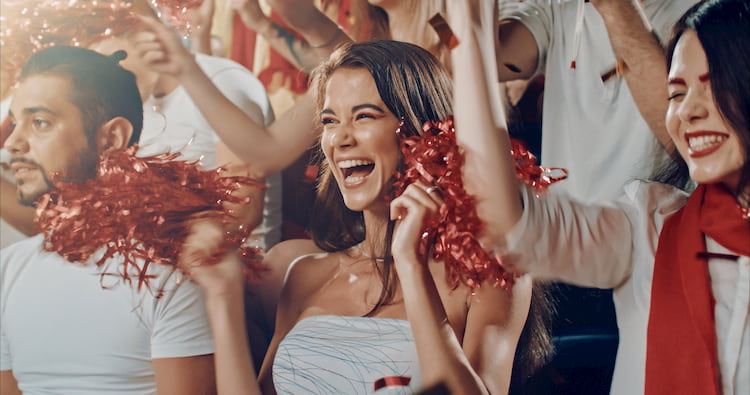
{"points": [[376, 223]]}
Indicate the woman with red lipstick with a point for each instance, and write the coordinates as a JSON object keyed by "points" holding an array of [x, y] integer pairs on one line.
{"points": [[679, 263], [361, 308], [365, 310]]}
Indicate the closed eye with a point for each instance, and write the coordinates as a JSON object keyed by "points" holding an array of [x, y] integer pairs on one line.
{"points": [[364, 115], [676, 95]]}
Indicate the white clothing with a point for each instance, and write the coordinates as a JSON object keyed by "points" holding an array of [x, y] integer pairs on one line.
{"points": [[62, 333], [331, 354], [614, 246], [173, 123], [590, 127], [8, 233]]}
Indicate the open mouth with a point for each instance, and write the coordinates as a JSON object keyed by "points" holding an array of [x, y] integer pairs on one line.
{"points": [[704, 143], [356, 169]]}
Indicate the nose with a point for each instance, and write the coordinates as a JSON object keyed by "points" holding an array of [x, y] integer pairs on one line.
{"points": [[343, 136], [693, 106], [15, 143]]}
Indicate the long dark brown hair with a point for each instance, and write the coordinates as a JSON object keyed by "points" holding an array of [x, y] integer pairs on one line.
{"points": [[416, 88], [723, 28]]}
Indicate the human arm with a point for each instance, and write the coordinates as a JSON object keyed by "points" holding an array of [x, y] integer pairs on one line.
{"points": [[488, 172], [201, 23], [641, 60], [185, 375], [8, 383], [495, 316], [558, 238], [19, 216], [223, 286], [321, 35], [266, 149]]}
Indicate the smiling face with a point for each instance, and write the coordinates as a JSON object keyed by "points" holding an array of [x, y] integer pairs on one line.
{"points": [[359, 139], [708, 144], [48, 137]]}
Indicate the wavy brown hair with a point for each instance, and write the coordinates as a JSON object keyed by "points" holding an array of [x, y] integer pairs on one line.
{"points": [[416, 88]]}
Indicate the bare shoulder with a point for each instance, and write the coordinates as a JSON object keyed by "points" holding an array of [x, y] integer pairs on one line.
{"points": [[296, 263]]}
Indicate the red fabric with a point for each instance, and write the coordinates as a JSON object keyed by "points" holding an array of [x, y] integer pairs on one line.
{"points": [[391, 381], [681, 355], [243, 43], [243, 52]]}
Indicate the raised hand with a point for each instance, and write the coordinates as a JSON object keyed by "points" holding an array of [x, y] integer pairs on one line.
{"points": [[251, 14], [224, 278], [418, 203], [162, 49]]}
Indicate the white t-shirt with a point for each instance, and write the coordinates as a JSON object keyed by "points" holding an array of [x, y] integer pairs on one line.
{"points": [[590, 127], [173, 123], [62, 333], [613, 245], [8, 233]]}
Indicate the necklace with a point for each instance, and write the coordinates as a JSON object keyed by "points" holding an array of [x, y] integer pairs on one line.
{"points": [[368, 256]]}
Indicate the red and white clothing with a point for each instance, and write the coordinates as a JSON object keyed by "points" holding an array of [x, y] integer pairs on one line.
{"points": [[613, 245]]}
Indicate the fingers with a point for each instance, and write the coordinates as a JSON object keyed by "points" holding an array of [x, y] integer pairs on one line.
{"points": [[422, 198], [205, 237]]}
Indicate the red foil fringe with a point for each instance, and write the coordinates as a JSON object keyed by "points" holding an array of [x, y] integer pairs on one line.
{"points": [[174, 12], [140, 209], [435, 158], [27, 27]]}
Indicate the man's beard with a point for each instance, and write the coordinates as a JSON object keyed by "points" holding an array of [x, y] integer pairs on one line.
{"points": [[85, 169]]}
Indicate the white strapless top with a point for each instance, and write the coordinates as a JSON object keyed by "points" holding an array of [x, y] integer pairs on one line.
{"points": [[329, 354]]}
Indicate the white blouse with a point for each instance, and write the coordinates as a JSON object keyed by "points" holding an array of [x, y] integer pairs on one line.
{"points": [[613, 245]]}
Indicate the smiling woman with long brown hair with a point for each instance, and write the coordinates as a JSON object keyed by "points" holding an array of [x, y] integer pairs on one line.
{"points": [[679, 262]]}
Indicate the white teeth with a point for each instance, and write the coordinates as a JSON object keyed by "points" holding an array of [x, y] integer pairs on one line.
{"points": [[704, 142], [346, 164], [353, 179]]}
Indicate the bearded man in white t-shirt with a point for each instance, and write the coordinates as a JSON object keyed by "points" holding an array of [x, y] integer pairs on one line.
{"points": [[63, 330]]}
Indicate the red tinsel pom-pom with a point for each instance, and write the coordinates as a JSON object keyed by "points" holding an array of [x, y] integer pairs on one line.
{"points": [[27, 27], [175, 13], [140, 210], [435, 158]]}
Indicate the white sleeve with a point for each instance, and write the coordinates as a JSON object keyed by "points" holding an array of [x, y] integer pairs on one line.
{"points": [[243, 89], [537, 17], [593, 245], [6, 362], [180, 326], [561, 239]]}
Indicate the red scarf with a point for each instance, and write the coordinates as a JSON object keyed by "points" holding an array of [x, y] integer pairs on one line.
{"points": [[681, 355]]}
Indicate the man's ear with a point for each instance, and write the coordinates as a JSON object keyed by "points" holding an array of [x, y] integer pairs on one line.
{"points": [[113, 134]]}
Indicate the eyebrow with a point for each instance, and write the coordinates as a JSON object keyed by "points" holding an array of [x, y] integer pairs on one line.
{"points": [[679, 81], [355, 109], [34, 110], [676, 81]]}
